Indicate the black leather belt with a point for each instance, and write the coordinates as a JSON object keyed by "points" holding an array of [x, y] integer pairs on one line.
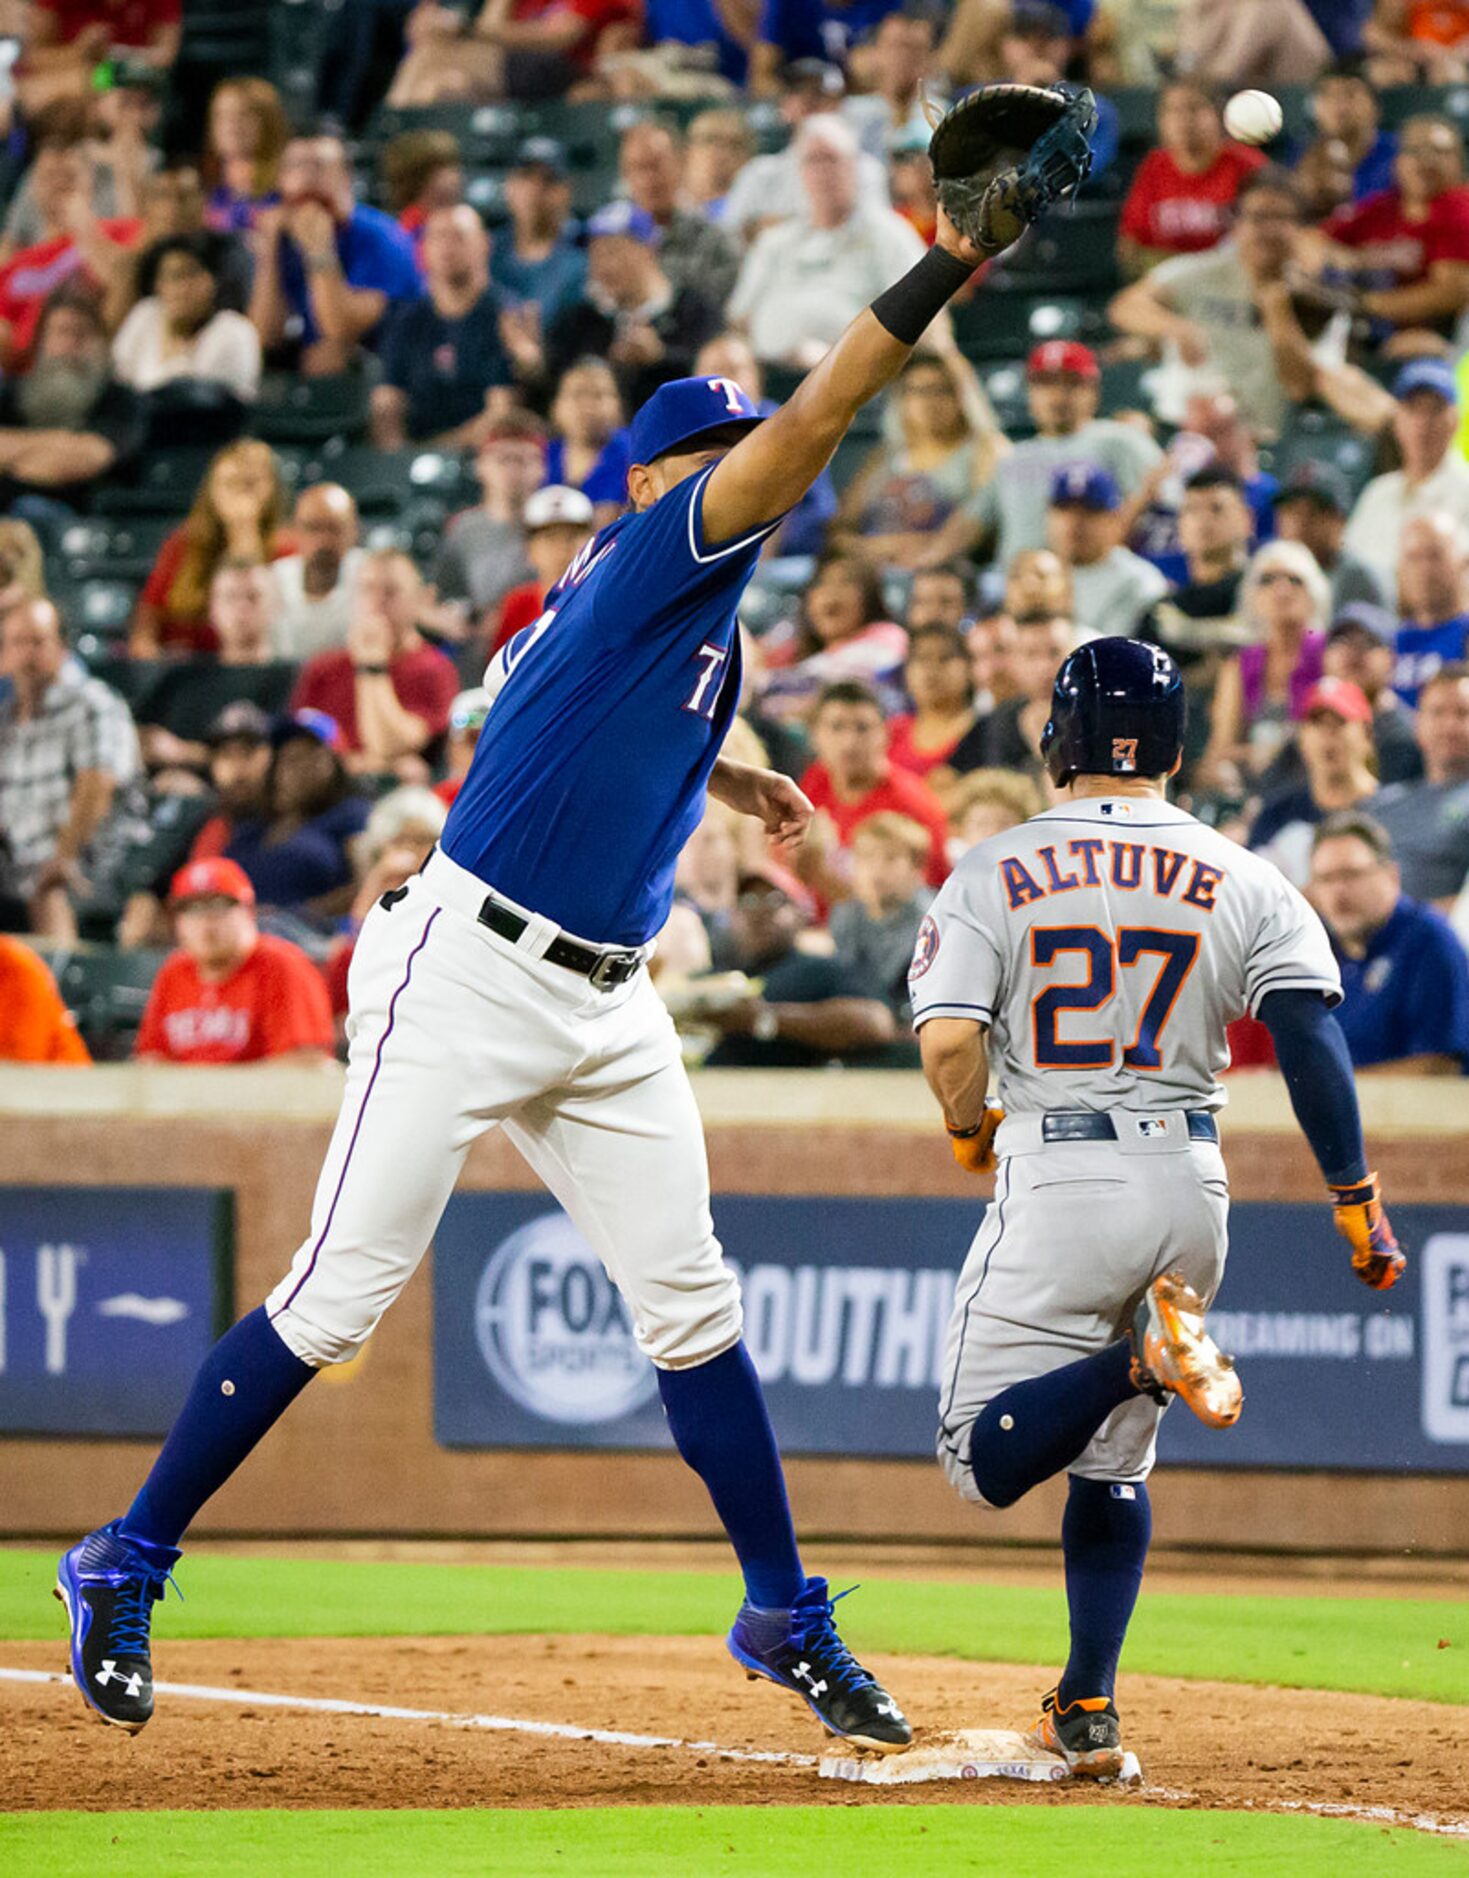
{"points": [[1084, 1125], [606, 970]]}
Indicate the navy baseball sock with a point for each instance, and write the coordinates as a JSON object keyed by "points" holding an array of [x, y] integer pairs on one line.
{"points": [[1034, 1429], [1104, 1534], [245, 1384], [722, 1429]]}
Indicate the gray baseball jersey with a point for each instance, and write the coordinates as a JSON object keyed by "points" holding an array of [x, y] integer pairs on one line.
{"points": [[1107, 943]]}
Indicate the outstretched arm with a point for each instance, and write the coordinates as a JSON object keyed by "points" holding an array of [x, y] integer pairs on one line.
{"points": [[769, 471]]}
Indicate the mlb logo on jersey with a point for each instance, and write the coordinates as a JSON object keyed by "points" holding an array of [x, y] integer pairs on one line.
{"points": [[1149, 1126]]}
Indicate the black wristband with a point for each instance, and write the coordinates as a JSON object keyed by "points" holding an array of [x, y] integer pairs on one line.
{"points": [[911, 304], [371, 671]]}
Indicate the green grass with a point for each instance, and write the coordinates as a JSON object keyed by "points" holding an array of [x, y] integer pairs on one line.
{"points": [[718, 1842], [1382, 1646]]}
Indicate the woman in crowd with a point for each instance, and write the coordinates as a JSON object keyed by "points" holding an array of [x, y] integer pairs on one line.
{"points": [[180, 330], [940, 684], [1286, 598], [588, 449], [248, 129], [237, 516], [842, 632], [942, 444], [297, 854]]}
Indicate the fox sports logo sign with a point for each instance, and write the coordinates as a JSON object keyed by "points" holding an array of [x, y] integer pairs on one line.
{"points": [[553, 1331]]}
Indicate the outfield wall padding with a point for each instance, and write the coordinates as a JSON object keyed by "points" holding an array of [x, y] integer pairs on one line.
{"points": [[357, 1455]]}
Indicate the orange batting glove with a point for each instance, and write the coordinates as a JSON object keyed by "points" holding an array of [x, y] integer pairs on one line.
{"points": [[974, 1148], [1361, 1221]]}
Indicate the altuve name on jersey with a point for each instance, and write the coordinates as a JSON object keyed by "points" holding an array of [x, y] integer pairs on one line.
{"points": [[1129, 866]]}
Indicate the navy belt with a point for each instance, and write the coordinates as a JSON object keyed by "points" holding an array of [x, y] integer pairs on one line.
{"points": [[1084, 1125], [606, 970]]}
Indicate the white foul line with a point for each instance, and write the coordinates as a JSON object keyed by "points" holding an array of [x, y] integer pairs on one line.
{"points": [[617, 1738], [500, 1724]]}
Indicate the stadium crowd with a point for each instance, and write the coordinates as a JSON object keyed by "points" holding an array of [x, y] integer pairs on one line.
{"points": [[317, 375]]}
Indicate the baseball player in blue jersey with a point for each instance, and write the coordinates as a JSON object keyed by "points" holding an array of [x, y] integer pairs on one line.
{"points": [[1091, 959], [505, 985]]}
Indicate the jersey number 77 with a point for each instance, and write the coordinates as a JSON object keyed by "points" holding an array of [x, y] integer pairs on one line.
{"points": [[1176, 953]]}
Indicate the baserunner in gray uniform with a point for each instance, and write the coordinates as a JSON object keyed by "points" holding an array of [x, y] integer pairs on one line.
{"points": [[1089, 962]]}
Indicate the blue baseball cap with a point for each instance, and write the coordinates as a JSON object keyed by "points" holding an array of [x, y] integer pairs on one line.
{"points": [[1427, 375], [625, 218], [1085, 486], [685, 408]]}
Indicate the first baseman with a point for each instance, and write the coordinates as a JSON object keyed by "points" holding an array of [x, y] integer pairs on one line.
{"points": [[505, 985], [1088, 961]]}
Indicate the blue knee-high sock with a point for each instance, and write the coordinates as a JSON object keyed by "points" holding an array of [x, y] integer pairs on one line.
{"points": [[1034, 1429], [722, 1429], [245, 1384], [1104, 1534]]}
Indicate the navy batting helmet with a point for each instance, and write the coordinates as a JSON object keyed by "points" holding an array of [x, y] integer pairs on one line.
{"points": [[1117, 710]]}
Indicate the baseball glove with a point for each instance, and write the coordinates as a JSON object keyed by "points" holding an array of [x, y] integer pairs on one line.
{"points": [[1376, 1256], [1005, 153]]}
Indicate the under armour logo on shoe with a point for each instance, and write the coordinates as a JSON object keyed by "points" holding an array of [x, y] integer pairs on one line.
{"points": [[890, 1708], [109, 1672], [802, 1673]]}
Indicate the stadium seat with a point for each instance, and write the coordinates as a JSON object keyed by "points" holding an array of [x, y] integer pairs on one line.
{"points": [[107, 549], [107, 989], [1320, 437], [164, 483], [310, 410], [1005, 325], [1073, 251], [378, 479]]}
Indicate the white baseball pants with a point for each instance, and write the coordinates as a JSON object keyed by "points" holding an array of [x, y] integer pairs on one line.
{"points": [[1076, 1233], [454, 1030]]}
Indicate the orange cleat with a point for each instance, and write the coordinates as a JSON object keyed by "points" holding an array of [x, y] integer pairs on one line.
{"points": [[1173, 1354], [1086, 1734]]}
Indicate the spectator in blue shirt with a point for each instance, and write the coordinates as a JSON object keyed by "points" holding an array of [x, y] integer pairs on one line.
{"points": [[1405, 976], [1344, 106], [327, 268], [535, 258], [443, 363], [700, 23], [588, 448], [1435, 625], [810, 29]]}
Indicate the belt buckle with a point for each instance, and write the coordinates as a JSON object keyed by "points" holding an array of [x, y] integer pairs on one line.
{"points": [[612, 969]]}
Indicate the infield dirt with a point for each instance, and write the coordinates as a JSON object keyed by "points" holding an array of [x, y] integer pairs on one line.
{"points": [[1201, 1744]]}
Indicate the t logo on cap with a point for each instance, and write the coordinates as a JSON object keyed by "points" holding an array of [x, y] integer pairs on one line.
{"points": [[684, 409]]}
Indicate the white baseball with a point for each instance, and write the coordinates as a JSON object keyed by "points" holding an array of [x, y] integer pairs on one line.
{"points": [[1253, 116]]}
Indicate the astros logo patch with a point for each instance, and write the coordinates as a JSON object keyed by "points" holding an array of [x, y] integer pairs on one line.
{"points": [[925, 949]]}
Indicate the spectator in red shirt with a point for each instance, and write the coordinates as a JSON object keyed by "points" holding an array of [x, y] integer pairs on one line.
{"points": [[387, 688], [73, 252], [1406, 249], [230, 993], [238, 515], [1181, 197], [853, 778], [558, 525], [940, 682], [67, 39]]}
